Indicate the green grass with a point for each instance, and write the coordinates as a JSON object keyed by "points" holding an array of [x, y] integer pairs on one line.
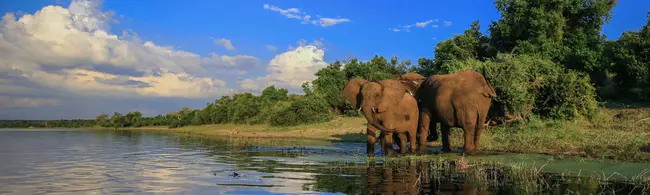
{"points": [[619, 133], [615, 134]]}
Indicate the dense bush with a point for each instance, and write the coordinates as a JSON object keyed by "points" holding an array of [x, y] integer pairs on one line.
{"points": [[533, 85], [304, 110]]}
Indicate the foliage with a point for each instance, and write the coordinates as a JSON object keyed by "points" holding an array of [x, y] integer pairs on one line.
{"points": [[304, 110], [631, 57], [533, 85], [566, 32], [331, 80]]}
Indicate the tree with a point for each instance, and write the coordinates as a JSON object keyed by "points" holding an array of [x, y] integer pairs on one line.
{"points": [[631, 58], [564, 31], [117, 120], [102, 118]]}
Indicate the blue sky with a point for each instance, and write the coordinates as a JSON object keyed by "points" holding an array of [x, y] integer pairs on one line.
{"points": [[73, 60]]}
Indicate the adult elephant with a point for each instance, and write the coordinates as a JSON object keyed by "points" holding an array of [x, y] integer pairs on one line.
{"points": [[462, 100], [388, 108], [413, 81]]}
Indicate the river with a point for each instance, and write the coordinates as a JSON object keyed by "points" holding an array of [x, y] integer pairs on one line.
{"points": [[74, 161]]}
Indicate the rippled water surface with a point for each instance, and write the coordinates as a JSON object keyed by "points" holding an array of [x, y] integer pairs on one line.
{"points": [[140, 162]]}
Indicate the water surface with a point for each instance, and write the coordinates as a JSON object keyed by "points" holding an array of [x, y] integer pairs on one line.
{"points": [[66, 161]]}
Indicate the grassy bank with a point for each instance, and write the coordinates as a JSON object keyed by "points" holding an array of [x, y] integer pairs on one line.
{"points": [[619, 133]]}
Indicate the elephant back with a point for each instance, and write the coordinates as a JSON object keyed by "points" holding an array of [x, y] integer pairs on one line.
{"points": [[477, 82]]}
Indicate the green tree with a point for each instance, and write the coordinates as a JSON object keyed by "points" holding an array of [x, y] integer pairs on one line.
{"points": [[564, 31], [631, 58], [117, 120]]}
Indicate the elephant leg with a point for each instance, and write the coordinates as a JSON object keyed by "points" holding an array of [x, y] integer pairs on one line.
{"points": [[402, 142], [371, 132], [479, 129], [469, 138], [397, 139], [425, 119], [412, 136], [433, 133], [387, 144], [477, 137], [445, 138]]}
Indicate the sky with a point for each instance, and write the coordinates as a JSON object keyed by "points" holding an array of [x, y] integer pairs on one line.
{"points": [[65, 59]]}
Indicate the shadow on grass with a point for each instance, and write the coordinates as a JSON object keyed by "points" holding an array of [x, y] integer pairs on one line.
{"points": [[626, 105]]}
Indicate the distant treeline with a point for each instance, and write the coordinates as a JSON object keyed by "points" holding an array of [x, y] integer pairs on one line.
{"points": [[548, 57], [74, 123]]}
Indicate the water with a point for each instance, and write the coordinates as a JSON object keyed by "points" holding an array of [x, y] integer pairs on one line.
{"points": [[63, 161]]}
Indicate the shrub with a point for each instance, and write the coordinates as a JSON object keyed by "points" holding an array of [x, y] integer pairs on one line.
{"points": [[302, 110], [568, 96], [533, 85]]}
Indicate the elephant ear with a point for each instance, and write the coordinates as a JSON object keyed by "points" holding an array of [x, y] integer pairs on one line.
{"points": [[392, 94], [352, 91], [411, 80], [486, 88]]}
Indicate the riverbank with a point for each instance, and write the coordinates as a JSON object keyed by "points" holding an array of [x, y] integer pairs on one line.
{"points": [[618, 133]]}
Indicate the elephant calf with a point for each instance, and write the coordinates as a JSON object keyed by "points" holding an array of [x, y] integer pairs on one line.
{"points": [[388, 107]]}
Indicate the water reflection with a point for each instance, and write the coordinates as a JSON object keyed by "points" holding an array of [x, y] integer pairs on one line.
{"points": [[113, 162]]}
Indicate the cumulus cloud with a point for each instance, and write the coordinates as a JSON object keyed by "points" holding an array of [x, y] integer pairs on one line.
{"points": [[435, 26], [8, 102], [271, 47], [71, 49], [295, 13], [447, 23], [290, 69], [224, 43]]}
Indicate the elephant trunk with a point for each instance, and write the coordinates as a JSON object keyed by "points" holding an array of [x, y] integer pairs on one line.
{"points": [[382, 128], [379, 126]]}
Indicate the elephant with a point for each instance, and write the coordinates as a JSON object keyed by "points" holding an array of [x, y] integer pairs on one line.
{"points": [[413, 81], [388, 108], [461, 99]]}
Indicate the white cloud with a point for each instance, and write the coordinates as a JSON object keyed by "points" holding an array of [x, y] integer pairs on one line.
{"points": [[423, 24], [319, 43], [289, 13], [8, 102], [295, 13], [329, 21], [45, 48], [224, 43], [290, 69], [271, 47], [407, 28]]}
